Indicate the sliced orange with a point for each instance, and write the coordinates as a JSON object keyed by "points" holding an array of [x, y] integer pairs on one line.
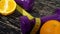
{"points": [[7, 7]]}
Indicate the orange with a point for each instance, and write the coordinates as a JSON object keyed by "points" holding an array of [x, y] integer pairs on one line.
{"points": [[51, 27], [7, 7]]}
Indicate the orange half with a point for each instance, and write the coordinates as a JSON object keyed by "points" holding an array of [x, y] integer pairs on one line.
{"points": [[7, 7]]}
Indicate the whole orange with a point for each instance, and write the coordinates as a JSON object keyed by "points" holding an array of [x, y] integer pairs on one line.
{"points": [[50, 27]]}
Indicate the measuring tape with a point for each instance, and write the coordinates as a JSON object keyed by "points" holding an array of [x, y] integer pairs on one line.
{"points": [[37, 26], [25, 13]]}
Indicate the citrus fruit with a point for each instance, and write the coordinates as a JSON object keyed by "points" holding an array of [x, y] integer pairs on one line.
{"points": [[7, 7], [51, 27]]}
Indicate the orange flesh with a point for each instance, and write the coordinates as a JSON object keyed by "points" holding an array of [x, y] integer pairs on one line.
{"points": [[7, 7]]}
